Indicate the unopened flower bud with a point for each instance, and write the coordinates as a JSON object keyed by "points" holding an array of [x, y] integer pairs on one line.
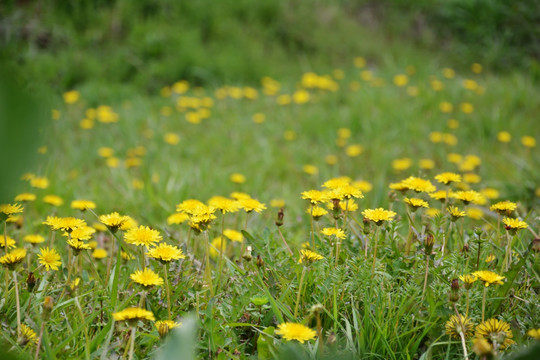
{"points": [[30, 281], [317, 308], [367, 226], [47, 305], [260, 261], [536, 245], [453, 295], [429, 241], [247, 254], [163, 329], [279, 220]]}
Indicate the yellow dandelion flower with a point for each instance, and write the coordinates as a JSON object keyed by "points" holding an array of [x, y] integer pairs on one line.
{"points": [[534, 333], [25, 197], [440, 195], [81, 233], [64, 223], [146, 277], [528, 141], [7, 210], [233, 235], [217, 245], [27, 335], [468, 280], [163, 326], [293, 331], [277, 203], [490, 258], [39, 182], [7, 242], [177, 218], [489, 277], [53, 200], [419, 185], [337, 182], [401, 164], [250, 205], [490, 193], [307, 257], [32, 239], [49, 258], [455, 213], [142, 236], [426, 164], [133, 314], [337, 233], [468, 196], [13, 258], [504, 207], [448, 178], [354, 150], [99, 254], [433, 212], [416, 203], [513, 225], [310, 169], [238, 178], [475, 213], [316, 212], [504, 137], [77, 245], [379, 215], [224, 204], [113, 221], [166, 253], [459, 325], [495, 331], [190, 206], [315, 196], [83, 205]]}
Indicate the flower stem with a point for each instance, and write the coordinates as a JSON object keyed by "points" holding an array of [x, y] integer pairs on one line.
{"points": [[207, 269], [168, 290], [484, 303], [17, 304], [221, 255], [284, 242], [132, 342], [299, 291], [312, 229], [461, 334], [467, 306], [376, 238], [425, 278]]}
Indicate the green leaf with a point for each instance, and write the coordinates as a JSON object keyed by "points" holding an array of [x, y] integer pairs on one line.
{"points": [[180, 342], [265, 344]]}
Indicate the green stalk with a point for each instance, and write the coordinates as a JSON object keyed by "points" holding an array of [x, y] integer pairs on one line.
{"points": [[132, 342], [299, 291], [207, 269], [17, 303], [484, 303], [376, 238], [168, 290]]}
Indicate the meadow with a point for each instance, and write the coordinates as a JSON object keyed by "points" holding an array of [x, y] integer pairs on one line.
{"points": [[383, 208]]}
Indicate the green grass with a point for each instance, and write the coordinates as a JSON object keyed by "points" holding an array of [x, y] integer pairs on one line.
{"points": [[364, 315]]}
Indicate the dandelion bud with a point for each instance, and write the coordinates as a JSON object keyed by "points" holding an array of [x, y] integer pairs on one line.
{"points": [[429, 241], [279, 221], [163, 329], [260, 261], [331, 339], [247, 254], [367, 227], [317, 308], [453, 295], [336, 209], [31, 281], [465, 248], [47, 305], [536, 245]]}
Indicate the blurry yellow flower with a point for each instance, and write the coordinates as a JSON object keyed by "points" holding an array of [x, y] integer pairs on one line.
{"points": [[446, 107], [331, 159], [250, 205], [258, 118], [83, 205], [466, 107], [436, 85], [534, 333], [454, 158], [315, 196], [39, 182], [401, 164], [469, 196], [55, 114], [419, 185], [277, 203], [177, 218], [238, 178], [289, 135], [105, 152], [133, 314], [316, 212], [504, 207], [432, 212], [31, 238], [53, 200], [216, 245], [472, 178], [71, 97], [233, 235], [426, 164], [452, 123], [354, 150], [449, 73], [171, 138], [450, 139], [448, 178], [99, 253], [359, 62], [401, 80], [468, 280], [113, 162], [283, 99], [504, 136], [528, 141], [476, 68], [455, 213], [490, 258], [310, 169], [13, 258], [307, 257], [475, 213], [490, 193], [301, 96], [86, 124]]}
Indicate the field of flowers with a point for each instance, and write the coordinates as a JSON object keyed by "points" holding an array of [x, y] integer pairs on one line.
{"points": [[383, 210]]}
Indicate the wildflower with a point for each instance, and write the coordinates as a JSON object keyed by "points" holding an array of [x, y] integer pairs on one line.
{"points": [[81, 233], [146, 278], [224, 204], [378, 216], [513, 225], [469, 196], [39, 182], [315, 196], [27, 335], [13, 258], [83, 205], [337, 233], [217, 245], [354, 150], [528, 141], [99, 254], [49, 258], [233, 235], [6, 241], [495, 332], [142, 236], [490, 258], [25, 197], [113, 221], [482, 348], [129, 224], [250, 205], [426, 164], [416, 203], [7, 210], [504, 136], [64, 223], [238, 178], [462, 325], [317, 212], [455, 213], [472, 178], [189, 206], [171, 138], [400, 186], [534, 333], [71, 97], [419, 185], [401, 164], [347, 205], [163, 326], [346, 192], [468, 280], [308, 257], [362, 185], [177, 218], [293, 331], [133, 314], [337, 182], [433, 212], [448, 177], [33, 239], [77, 246], [489, 277], [53, 200], [475, 213], [439, 195], [166, 253], [310, 169]]}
